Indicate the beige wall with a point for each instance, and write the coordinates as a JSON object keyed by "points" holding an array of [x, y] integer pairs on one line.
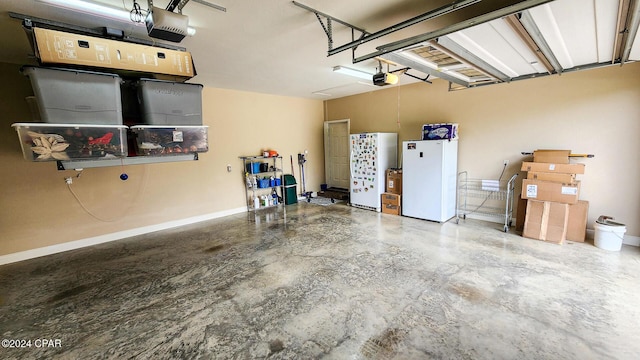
{"points": [[37, 209], [595, 111]]}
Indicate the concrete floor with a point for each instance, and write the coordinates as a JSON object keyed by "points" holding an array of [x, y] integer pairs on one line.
{"points": [[334, 282]]}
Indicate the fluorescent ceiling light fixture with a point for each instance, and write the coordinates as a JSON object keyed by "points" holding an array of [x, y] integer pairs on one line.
{"points": [[104, 11], [91, 8], [353, 72]]}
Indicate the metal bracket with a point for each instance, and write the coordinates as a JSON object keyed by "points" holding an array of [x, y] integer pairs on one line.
{"points": [[479, 19], [328, 28], [366, 36], [405, 71], [133, 160], [179, 4], [211, 5]]}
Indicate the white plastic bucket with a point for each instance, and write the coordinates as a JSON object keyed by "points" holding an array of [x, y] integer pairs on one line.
{"points": [[609, 237]]}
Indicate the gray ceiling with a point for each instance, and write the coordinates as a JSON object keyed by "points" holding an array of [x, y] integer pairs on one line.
{"points": [[276, 47]]}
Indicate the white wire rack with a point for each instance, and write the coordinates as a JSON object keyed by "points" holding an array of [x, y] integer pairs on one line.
{"points": [[490, 198]]}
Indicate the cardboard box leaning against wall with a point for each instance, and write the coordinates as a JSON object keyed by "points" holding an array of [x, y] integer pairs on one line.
{"points": [[577, 223], [546, 221]]}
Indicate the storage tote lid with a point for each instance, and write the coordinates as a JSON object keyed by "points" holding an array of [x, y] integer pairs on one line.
{"points": [[142, 127], [75, 126], [144, 80], [30, 70]]}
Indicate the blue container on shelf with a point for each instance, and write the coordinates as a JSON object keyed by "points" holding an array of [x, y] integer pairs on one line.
{"points": [[253, 168], [277, 182], [263, 183]]}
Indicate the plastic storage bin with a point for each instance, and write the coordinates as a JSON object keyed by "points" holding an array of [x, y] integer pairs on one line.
{"points": [[167, 140], [263, 183], [253, 168], [76, 97], [51, 142], [170, 103]]}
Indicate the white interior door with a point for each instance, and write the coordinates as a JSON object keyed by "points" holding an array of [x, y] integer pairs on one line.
{"points": [[336, 153]]}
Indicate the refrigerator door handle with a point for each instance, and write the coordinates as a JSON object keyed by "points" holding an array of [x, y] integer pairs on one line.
{"points": [[351, 164]]}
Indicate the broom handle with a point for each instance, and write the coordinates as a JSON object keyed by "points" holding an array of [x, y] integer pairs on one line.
{"points": [[525, 153], [291, 157]]}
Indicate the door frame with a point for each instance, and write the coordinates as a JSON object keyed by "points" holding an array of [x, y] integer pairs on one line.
{"points": [[327, 163]]}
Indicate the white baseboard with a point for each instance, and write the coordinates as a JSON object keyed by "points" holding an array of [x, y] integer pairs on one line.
{"points": [[77, 244], [627, 240]]}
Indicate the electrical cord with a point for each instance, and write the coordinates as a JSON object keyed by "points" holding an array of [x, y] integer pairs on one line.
{"points": [[502, 173], [87, 210], [99, 218]]}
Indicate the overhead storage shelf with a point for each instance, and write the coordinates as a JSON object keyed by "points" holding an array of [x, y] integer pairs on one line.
{"points": [[76, 146], [133, 160]]}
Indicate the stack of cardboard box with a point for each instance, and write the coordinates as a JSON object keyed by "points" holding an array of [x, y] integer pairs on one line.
{"points": [[391, 199], [551, 197]]}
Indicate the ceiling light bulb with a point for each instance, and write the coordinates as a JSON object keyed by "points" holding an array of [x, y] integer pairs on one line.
{"points": [[392, 78]]}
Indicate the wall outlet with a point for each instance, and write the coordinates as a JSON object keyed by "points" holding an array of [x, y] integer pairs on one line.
{"points": [[505, 162], [228, 168], [68, 180]]}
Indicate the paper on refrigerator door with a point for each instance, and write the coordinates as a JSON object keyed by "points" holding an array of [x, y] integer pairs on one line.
{"points": [[363, 162]]}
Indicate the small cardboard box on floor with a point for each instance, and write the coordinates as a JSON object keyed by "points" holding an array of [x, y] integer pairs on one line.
{"points": [[546, 221], [394, 181], [391, 203]]}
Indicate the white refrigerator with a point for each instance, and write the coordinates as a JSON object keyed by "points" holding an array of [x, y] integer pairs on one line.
{"points": [[371, 154], [429, 178]]}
